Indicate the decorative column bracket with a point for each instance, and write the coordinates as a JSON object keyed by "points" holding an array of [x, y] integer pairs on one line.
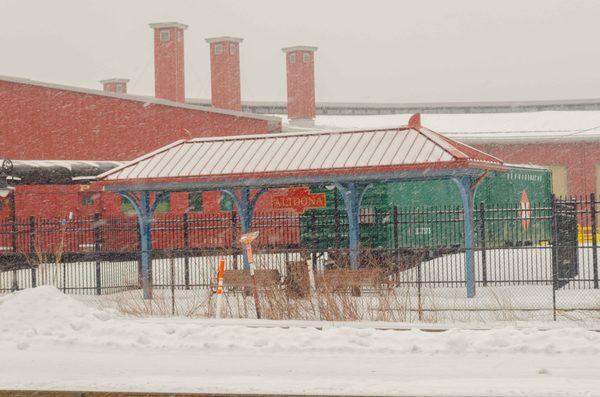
{"points": [[352, 196], [245, 203], [145, 213]]}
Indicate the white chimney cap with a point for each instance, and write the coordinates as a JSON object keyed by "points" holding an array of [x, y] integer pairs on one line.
{"points": [[114, 81], [299, 48], [159, 25], [223, 39]]}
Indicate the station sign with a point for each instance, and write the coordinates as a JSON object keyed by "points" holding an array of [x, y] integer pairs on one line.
{"points": [[299, 199]]}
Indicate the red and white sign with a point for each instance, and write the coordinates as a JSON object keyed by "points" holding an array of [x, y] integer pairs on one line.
{"points": [[525, 210], [299, 199]]}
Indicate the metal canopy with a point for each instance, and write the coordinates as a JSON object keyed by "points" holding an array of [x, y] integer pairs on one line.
{"points": [[268, 159], [351, 160], [63, 172]]}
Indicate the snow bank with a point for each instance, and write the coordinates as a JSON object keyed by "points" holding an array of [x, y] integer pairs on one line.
{"points": [[44, 315]]}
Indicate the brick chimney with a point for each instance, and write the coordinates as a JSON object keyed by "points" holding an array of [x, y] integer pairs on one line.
{"points": [[300, 65], [118, 86], [225, 72], [169, 81]]}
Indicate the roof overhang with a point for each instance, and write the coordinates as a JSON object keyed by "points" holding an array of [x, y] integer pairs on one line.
{"points": [[197, 184]]}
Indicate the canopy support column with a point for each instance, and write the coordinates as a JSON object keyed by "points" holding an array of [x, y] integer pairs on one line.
{"points": [[145, 213], [467, 188], [245, 203], [352, 196]]}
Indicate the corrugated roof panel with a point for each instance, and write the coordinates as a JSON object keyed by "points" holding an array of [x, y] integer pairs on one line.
{"points": [[346, 151], [403, 149], [363, 140], [228, 159], [367, 153], [241, 154], [143, 169], [178, 155], [219, 159], [276, 157], [380, 150], [435, 154], [287, 158], [423, 155], [328, 147], [336, 151], [191, 160], [264, 161], [316, 148], [416, 148], [255, 153], [200, 165], [388, 156], [302, 147]]}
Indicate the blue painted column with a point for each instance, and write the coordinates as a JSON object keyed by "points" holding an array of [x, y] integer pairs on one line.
{"points": [[467, 196], [145, 212], [245, 205], [352, 196]]}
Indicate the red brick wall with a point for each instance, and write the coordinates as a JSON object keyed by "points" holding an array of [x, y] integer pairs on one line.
{"points": [[580, 159], [44, 123], [225, 76]]}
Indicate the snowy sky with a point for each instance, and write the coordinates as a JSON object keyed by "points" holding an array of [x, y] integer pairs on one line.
{"points": [[375, 51]]}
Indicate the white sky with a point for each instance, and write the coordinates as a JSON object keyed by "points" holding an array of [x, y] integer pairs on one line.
{"points": [[373, 50]]}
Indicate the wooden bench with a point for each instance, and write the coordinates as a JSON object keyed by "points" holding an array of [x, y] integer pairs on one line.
{"points": [[241, 279], [351, 280]]}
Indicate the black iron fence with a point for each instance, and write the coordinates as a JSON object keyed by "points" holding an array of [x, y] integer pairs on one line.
{"points": [[533, 257]]}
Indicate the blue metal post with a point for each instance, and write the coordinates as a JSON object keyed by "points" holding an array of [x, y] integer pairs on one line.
{"points": [[245, 208], [467, 195], [352, 196], [144, 212]]}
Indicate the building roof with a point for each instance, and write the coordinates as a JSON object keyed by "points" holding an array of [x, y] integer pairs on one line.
{"points": [[139, 98], [397, 151], [61, 172], [527, 127]]}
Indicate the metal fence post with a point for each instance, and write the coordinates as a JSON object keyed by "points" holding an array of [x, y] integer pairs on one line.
{"points": [[554, 253], [32, 250], [396, 235], [186, 247], [234, 239], [594, 242], [482, 243], [97, 249], [139, 245], [313, 234]]}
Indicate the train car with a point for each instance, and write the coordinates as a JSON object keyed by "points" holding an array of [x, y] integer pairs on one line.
{"points": [[429, 213]]}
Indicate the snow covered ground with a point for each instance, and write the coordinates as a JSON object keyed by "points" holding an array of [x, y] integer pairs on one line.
{"points": [[52, 341]]}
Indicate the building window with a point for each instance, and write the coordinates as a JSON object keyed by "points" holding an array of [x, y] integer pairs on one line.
{"points": [[195, 202], [119, 88], [226, 203], [87, 199], [165, 35], [164, 204], [126, 206], [218, 49], [232, 48], [306, 57], [292, 58]]}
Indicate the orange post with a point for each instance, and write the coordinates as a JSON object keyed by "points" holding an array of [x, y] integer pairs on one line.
{"points": [[220, 276]]}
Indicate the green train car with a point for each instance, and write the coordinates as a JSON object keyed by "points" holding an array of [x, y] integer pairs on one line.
{"points": [[425, 214]]}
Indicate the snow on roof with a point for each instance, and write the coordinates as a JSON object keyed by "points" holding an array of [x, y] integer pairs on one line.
{"points": [[548, 126], [139, 98]]}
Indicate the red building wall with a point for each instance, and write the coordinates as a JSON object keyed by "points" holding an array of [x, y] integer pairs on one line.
{"points": [[580, 158], [38, 122]]}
